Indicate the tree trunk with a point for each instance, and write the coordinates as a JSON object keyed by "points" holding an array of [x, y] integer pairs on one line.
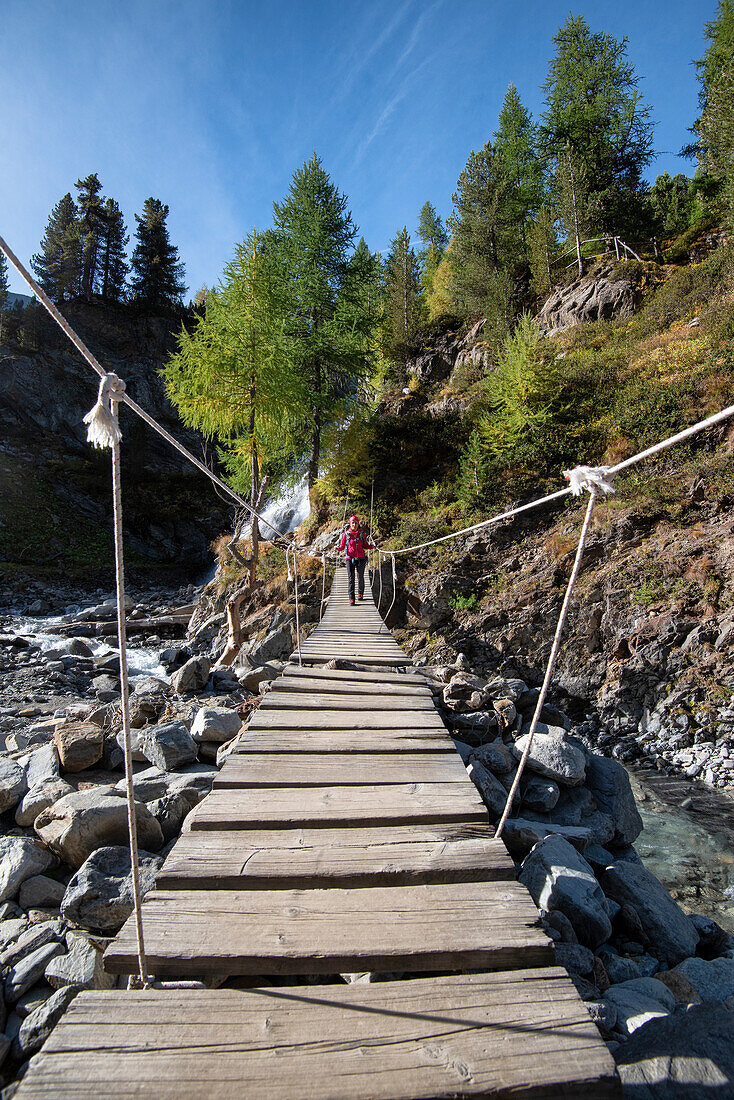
{"points": [[575, 216]]}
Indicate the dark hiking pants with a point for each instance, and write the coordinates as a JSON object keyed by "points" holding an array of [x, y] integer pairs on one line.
{"points": [[356, 566]]}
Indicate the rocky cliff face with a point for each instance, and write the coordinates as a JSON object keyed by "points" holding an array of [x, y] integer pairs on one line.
{"points": [[49, 476], [601, 295]]}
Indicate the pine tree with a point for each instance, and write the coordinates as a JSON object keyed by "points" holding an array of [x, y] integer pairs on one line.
{"points": [[403, 304], [328, 326], [715, 127], [58, 265], [158, 274], [432, 233], [515, 145], [542, 250], [113, 266], [596, 127], [4, 283], [671, 203], [90, 229]]}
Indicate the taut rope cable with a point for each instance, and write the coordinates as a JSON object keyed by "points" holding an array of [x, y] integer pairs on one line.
{"points": [[379, 570], [394, 593], [323, 586], [298, 621], [551, 659]]}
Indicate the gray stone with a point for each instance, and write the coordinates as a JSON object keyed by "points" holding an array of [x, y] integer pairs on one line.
{"points": [[154, 783], [687, 1056], [169, 745], [619, 967], [13, 783], [41, 892], [26, 972], [217, 724], [21, 858], [251, 678], [192, 676], [638, 1001], [33, 999], [496, 756], [540, 794], [81, 967], [609, 784], [136, 744], [665, 924], [559, 878], [576, 958], [171, 810], [40, 798], [79, 744], [713, 981], [5, 1045], [81, 822], [551, 755], [277, 643], [35, 936], [522, 834], [41, 766], [36, 1028], [68, 647], [100, 895], [10, 929], [493, 793], [604, 1016]]}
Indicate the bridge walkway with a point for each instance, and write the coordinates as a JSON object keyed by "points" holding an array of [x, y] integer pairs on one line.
{"points": [[343, 880]]}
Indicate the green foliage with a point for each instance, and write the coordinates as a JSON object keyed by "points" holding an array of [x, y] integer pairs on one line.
{"points": [[89, 227], [404, 309], [348, 461], [671, 201], [543, 250], [479, 230], [515, 146], [57, 266], [157, 273], [460, 602], [4, 284], [715, 127], [113, 266]]}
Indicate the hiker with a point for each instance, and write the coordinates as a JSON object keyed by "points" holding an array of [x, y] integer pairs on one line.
{"points": [[356, 542]]}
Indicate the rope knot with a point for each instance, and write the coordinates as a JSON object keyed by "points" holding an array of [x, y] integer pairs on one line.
{"points": [[589, 478], [103, 428]]}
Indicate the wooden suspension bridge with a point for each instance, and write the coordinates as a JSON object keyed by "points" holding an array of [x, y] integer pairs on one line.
{"points": [[342, 837]]}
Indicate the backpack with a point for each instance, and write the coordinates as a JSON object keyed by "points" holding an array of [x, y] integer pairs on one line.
{"points": [[353, 542]]}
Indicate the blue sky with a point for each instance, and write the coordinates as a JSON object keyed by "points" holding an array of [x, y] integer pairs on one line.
{"points": [[210, 107]]}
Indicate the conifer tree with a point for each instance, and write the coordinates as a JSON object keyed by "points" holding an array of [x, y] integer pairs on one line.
{"points": [[328, 325], [4, 283], [113, 266], [671, 201], [157, 272], [90, 228], [515, 148], [403, 304], [596, 127], [542, 250], [432, 233], [715, 127], [58, 265]]}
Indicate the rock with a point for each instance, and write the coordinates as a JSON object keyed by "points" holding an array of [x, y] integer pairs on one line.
{"points": [[81, 967], [478, 722], [609, 784], [560, 922], [576, 958], [21, 858], [277, 643], [136, 744], [664, 922], [619, 968], [41, 766], [638, 1001], [169, 745], [26, 972], [713, 980], [13, 783], [192, 676], [35, 936], [154, 783], [39, 798], [36, 1028], [679, 986], [170, 811], [251, 678], [713, 940], [521, 835], [173, 657], [81, 822], [10, 929], [539, 794], [79, 745], [604, 1016], [496, 756], [559, 878], [493, 793], [598, 296], [553, 756], [41, 892], [33, 999], [689, 1055], [100, 895], [218, 724], [68, 647]]}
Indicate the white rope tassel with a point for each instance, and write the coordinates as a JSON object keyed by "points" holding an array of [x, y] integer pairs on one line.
{"points": [[584, 478], [103, 427], [551, 660]]}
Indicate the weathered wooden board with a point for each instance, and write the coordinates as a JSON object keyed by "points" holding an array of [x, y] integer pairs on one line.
{"points": [[286, 807], [338, 769], [306, 685], [344, 740], [314, 700], [453, 926], [400, 679], [284, 719], [521, 1034], [320, 858]]}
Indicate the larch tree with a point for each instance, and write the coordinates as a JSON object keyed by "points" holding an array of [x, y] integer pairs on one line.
{"points": [[4, 283], [403, 303], [58, 264], [157, 272], [434, 238], [715, 127], [328, 327], [596, 129], [515, 147], [113, 266], [90, 228]]}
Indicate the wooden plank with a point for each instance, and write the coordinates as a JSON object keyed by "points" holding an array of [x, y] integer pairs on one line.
{"points": [[344, 740], [304, 684], [314, 700], [379, 676], [286, 807], [338, 769], [456, 926], [522, 1034], [340, 719], [347, 858]]}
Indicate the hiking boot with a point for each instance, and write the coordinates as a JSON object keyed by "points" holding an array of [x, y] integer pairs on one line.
{"points": [[352, 602], [360, 597]]}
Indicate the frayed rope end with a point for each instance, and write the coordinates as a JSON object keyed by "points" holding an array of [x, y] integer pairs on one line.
{"points": [[589, 477], [103, 429]]}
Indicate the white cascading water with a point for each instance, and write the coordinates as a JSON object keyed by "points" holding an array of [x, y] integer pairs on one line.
{"points": [[287, 510]]}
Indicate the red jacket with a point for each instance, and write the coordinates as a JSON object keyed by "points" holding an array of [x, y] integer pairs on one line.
{"points": [[359, 541]]}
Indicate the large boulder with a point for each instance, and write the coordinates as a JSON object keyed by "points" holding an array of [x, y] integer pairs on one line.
{"points": [[41, 765], [79, 744], [638, 1001], [169, 745], [100, 895], [666, 926], [553, 756], [41, 892], [13, 783], [155, 783], [81, 967], [78, 824], [192, 676], [38, 1025], [68, 647], [713, 981], [493, 793], [40, 798], [26, 971], [21, 858], [609, 784], [688, 1055], [217, 724], [276, 644], [599, 296], [558, 877]]}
